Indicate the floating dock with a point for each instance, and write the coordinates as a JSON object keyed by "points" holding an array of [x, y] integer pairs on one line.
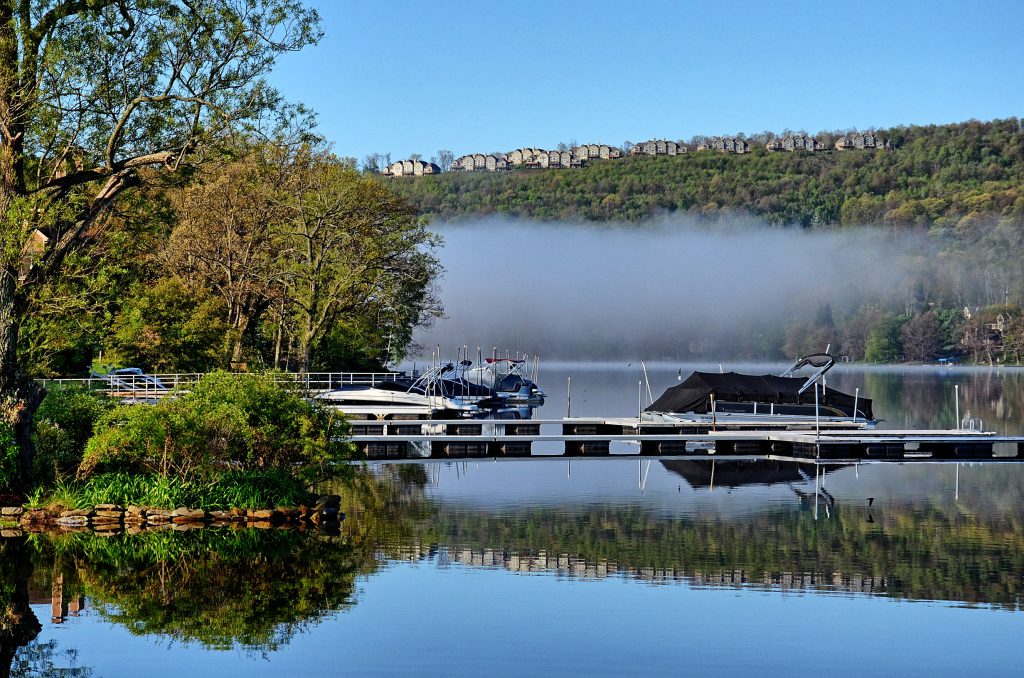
{"points": [[596, 437]]}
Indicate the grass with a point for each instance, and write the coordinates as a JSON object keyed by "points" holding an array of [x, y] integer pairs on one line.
{"points": [[245, 490]]}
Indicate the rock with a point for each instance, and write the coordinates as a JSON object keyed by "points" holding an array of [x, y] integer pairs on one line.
{"points": [[289, 514], [186, 526], [135, 511], [182, 516], [11, 511], [84, 529], [11, 533], [73, 521], [134, 521], [237, 512], [77, 513], [102, 520], [115, 527], [103, 513], [262, 525], [158, 519], [134, 530], [35, 516], [220, 516], [109, 507], [259, 514]]}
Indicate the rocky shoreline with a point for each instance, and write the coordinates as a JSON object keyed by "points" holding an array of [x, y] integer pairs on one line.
{"points": [[111, 519]]}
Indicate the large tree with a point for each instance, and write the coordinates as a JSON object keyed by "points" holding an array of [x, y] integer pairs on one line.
{"points": [[351, 245], [91, 93], [227, 239]]}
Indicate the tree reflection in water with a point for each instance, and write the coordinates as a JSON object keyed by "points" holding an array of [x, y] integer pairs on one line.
{"points": [[255, 590]]}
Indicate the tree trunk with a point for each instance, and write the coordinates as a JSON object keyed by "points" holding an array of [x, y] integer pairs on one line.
{"points": [[22, 626], [19, 396]]}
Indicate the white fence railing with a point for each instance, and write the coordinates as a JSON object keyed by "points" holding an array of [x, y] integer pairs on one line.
{"points": [[156, 385]]}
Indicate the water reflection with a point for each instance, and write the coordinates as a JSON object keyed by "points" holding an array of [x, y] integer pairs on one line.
{"points": [[903, 532], [863, 533]]}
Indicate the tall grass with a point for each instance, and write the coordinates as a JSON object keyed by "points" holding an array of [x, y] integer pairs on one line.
{"points": [[241, 489]]}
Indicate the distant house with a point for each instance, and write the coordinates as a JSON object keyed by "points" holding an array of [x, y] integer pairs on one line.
{"points": [[794, 142], [480, 162], [410, 168], [554, 159], [861, 140], [32, 250], [528, 157], [596, 152], [730, 145], [657, 147]]}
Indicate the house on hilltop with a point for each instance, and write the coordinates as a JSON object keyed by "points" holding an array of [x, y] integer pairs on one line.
{"points": [[794, 142], [657, 147], [861, 140], [596, 152], [410, 168], [481, 162], [730, 145]]}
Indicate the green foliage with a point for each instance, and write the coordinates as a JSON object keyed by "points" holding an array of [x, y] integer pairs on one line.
{"points": [[227, 422], [251, 590], [346, 347], [165, 327], [8, 456], [232, 489], [63, 425], [883, 344]]}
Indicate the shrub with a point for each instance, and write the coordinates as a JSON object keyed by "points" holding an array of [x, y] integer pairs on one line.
{"points": [[63, 425], [226, 423]]}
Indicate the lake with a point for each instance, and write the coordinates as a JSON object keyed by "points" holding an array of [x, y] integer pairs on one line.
{"points": [[584, 567]]}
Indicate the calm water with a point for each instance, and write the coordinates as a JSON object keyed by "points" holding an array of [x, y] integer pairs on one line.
{"points": [[594, 567]]}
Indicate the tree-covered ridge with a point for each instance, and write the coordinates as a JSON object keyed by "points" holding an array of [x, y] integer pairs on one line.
{"points": [[941, 175]]}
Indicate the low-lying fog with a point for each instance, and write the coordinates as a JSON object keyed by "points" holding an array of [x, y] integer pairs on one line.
{"points": [[578, 292]]}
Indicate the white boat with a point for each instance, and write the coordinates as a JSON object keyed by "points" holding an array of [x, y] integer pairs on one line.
{"points": [[505, 382], [424, 396]]}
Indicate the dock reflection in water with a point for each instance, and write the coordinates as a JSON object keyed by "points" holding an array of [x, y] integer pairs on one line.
{"points": [[419, 537]]}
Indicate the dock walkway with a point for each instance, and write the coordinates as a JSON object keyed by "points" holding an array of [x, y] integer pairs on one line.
{"points": [[461, 438]]}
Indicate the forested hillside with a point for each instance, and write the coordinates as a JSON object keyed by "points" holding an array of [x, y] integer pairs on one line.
{"points": [[947, 175], [961, 185]]}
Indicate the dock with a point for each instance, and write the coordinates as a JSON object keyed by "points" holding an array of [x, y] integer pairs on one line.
{"points": [[608, 437]]}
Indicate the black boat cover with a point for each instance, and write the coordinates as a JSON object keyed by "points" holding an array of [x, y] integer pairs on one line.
{"points": [[694, 394]]}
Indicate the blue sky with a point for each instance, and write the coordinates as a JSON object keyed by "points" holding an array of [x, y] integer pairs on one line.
{"points": [[405, 76]]}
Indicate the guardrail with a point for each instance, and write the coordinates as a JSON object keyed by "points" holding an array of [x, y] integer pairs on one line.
{"points": [[156, 385]]}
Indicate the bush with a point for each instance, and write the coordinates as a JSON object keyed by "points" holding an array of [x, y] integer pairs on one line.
{"points": [[226, 423], [63, 425]]}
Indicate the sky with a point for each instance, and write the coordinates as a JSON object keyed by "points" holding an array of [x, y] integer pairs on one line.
{"points": [[412, 76]]}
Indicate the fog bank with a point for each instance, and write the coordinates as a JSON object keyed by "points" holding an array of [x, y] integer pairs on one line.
{"points": [[588, 291]]}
